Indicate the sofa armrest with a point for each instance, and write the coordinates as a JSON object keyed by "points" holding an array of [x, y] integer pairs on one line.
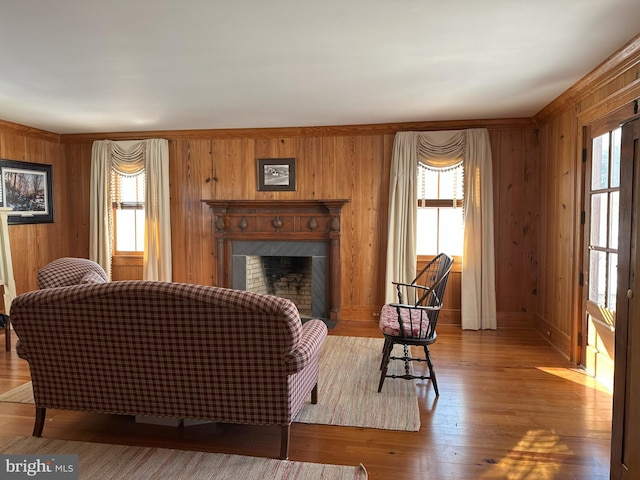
{"points": [[313, 334]]}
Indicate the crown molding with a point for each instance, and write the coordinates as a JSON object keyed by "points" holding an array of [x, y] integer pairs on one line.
{"points": [[288, 132], [617, 63], [17, 129]]}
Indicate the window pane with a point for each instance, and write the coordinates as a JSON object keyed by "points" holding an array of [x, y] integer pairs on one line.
{"points": [[427, 183], [616, 140], [599, 219], [131, 188], [440, 229], [139, 230], [598, 276], [614, 220], [600, 162], [613, 281], [451, 183], [451, 231], [125, 230], [427, 240]]}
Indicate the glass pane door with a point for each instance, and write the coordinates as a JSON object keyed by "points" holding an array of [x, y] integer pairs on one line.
{"points": [[601, 220]]}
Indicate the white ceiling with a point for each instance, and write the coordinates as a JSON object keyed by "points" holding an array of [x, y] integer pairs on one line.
{"points": [[81, 66]]}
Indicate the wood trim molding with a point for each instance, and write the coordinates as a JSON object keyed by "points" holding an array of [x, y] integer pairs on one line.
{"points": [[559, 340], [17, 129], [127, 260], [448, 317], [611, 103], [320, 131], [620, 61]]}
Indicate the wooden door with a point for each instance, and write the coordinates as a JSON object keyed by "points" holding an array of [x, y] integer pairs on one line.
{"points": [[601, 204], [625, 434]]}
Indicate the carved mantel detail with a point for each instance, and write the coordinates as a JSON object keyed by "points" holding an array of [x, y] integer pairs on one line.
{"points": [[279, 220]]}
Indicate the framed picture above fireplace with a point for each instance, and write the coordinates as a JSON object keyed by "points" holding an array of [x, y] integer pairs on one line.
{"points": [[276, 174]]}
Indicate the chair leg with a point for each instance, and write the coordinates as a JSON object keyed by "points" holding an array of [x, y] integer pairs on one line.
{"points": [[383, 375], [386, 356], [432, 373], [314, 395], [41, 413], [386, 352], [384, 349]]}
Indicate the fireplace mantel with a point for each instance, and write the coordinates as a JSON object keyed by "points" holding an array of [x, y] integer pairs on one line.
{"points": [[279, 220]]}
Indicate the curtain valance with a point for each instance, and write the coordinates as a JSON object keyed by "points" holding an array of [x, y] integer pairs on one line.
{"points": [[126, 158], [440, 150]]}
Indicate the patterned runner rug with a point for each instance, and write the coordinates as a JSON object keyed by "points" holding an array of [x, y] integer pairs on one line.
{"points": [[118, 462]]}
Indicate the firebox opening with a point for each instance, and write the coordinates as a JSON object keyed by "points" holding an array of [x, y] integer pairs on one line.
{"points": [[247, 265], [287, 277]]}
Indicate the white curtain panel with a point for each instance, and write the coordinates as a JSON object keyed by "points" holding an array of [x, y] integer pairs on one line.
{"points": [[130, 157], [100, 218], [403, 212], [6, 263], [446, 149], [157, 231], [478, 257]]}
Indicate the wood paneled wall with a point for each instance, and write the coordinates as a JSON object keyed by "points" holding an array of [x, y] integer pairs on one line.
{"points": [[34, 245], [345, 162], [611, 86], [516, 183]]}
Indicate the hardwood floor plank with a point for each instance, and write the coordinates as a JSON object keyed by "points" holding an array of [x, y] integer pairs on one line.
{"points": [[510, 407]]}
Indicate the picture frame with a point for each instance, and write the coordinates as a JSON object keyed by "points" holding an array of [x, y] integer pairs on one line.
{"points": [[276, 174], [27, 189]]}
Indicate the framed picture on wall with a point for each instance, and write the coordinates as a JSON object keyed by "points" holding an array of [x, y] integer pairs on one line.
{"points": [[26, 188], [276, 174]]}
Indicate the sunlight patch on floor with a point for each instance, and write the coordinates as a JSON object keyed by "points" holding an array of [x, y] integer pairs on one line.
{"points": [[576, 376], [538, 455]]}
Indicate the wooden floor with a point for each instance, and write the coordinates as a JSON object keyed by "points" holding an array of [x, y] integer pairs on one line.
{"points": [[510, 407]]}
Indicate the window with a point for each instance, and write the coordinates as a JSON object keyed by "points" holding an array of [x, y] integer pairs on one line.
{"points": [[127, 199], [604, 193], [440, 211]]}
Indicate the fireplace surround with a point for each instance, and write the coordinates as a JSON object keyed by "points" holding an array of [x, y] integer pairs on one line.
{"points": [[291, 228]]}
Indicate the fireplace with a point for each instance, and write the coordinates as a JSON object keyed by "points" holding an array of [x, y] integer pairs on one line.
{"points": [[304, 234]]}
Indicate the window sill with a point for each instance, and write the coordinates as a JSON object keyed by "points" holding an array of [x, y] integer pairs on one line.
{"points": [[127, 258], [422, 260]]}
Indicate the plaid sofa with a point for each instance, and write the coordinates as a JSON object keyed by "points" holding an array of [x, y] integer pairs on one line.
{"points": [[168, 350]]}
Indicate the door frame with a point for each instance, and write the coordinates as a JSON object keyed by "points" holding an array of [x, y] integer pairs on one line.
{"points": [[600, 115]]}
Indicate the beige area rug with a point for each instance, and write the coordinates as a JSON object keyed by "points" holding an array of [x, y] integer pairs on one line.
{"points": [[21, 394], [347, 389], [117, 462]]}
